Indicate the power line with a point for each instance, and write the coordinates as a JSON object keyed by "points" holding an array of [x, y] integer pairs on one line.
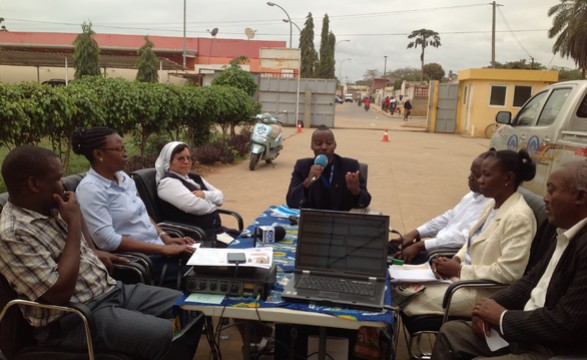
{"points": [[513, 33]]}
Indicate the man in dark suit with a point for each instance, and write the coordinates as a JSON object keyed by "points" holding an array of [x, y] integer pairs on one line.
{"points": [[544, 313], [337, 186]]}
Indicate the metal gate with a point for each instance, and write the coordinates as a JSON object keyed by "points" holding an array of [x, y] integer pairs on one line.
{"points": [[446, 116], [278, 96]]}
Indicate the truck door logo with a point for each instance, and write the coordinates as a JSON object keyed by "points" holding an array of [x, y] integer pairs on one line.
{"points": [[513, 143], [532, 146]]}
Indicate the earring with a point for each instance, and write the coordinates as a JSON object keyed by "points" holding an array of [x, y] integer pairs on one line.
{"points": [[506, 184]]}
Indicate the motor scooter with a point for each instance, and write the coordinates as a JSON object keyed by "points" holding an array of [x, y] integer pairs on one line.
{"points": [[266, 140]]}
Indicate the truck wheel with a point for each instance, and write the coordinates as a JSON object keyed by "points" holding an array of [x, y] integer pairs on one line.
{"points": [[253, 161]]}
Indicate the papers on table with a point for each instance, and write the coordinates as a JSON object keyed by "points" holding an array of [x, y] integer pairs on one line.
{"points": [[421, 273], [261, 257]]}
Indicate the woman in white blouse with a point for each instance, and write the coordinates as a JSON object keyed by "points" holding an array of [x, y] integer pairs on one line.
{"points": [[186, 197]]}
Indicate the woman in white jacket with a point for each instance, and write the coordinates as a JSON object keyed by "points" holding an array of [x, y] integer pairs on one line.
{"points": [[186, 197], [498, 247]]}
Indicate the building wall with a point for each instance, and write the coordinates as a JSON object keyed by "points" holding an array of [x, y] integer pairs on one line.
{"points": [[15, 74], [474, 111]]}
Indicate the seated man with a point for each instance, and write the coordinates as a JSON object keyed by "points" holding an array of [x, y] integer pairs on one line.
{"points": [[449, 230], [337, 186], [543, 314], [44, 256]]}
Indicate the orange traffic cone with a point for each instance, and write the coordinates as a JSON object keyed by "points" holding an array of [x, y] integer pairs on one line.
{"points": [[299, 130], [385, 136]]}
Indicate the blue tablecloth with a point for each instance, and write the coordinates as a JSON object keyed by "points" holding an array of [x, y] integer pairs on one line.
{"points": [[284, 257]]}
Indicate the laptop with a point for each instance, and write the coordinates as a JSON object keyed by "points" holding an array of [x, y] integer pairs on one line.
{"points": [[343, 256]]}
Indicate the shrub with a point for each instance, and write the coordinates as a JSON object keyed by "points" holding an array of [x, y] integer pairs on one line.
{"points": [[240, 143], [211, 153]]}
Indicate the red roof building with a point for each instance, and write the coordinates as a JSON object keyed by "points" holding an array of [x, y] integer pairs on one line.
{"points": [[55, 50]]}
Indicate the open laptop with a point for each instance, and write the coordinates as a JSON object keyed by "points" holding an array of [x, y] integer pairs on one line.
{"points": [[344, 257]]}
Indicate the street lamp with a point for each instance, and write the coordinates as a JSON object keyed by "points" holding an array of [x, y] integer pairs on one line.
{"points": [[339, 41], [270, 3], [183, 53], [340, 71], [296, 25]]}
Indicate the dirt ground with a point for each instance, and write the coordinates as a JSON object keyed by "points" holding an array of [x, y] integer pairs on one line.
{"points": [[413, 177]]}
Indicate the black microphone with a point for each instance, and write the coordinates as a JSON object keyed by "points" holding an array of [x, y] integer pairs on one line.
{"points": [[321, 160]]}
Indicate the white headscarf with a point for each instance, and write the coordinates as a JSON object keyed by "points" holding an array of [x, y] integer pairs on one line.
{"points": [[164, 159]]}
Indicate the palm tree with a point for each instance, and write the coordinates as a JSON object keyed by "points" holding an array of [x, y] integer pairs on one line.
{"points": [[423, 38], [570, 24]]}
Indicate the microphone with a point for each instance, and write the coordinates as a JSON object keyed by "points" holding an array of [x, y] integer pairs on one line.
{"points": [[267, 234], [321, 160]]}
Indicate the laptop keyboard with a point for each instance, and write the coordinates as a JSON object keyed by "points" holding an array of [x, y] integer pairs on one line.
{"points": [[336, 285]]}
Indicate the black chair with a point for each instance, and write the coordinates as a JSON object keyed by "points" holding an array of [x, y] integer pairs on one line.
{"points": [[16, 339], [138, 269], [145, 180], [416, 326]]}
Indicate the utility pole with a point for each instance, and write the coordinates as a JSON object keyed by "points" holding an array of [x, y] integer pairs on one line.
{"points": [[494, 5], [493, 37], [385, 65]]}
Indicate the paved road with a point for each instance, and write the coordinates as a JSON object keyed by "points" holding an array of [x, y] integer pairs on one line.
{"points": [[414, 176]]}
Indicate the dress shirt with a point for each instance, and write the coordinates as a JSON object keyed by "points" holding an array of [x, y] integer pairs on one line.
{"points": [[113, 210], [451, 229], [29, 251], [177, 194], [538, 295]]}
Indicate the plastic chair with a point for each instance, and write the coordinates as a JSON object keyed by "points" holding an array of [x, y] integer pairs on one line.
{"points": [[416, 326], [147, 189]]}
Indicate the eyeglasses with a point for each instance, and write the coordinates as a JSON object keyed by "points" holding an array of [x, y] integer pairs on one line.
{"points": [[119, 149], [184, 158]]}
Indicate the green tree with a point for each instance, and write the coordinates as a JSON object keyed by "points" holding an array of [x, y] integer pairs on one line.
{"points": [[86, 53], [519, 64], [331, 64], [433, 71], [147, 63], [236, 77], [308, 51], [565, 74], [327, 41], [569, 26], [423, 38]]}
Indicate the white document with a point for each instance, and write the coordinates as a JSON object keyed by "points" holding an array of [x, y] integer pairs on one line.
{"points": [[495, 341], [421, 273], [256, 257]]}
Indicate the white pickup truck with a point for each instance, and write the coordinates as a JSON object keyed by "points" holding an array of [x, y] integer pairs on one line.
{"points": [[552, 126]]}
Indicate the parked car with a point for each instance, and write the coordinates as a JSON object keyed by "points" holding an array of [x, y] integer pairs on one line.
{"points": [[551, 125], [54, 82], [348, 98]]}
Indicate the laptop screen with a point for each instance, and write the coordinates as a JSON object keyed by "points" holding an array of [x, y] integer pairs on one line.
{"points": [[348, 243]]}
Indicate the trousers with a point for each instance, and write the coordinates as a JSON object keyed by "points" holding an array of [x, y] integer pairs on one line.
{"points": [[130, 319], [456, 340]]}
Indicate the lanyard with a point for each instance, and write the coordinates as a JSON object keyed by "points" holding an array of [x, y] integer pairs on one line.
{"points": [[328, 182]]}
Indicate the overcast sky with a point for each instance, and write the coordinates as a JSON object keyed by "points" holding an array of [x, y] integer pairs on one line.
{"points": [[375, 28]]}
